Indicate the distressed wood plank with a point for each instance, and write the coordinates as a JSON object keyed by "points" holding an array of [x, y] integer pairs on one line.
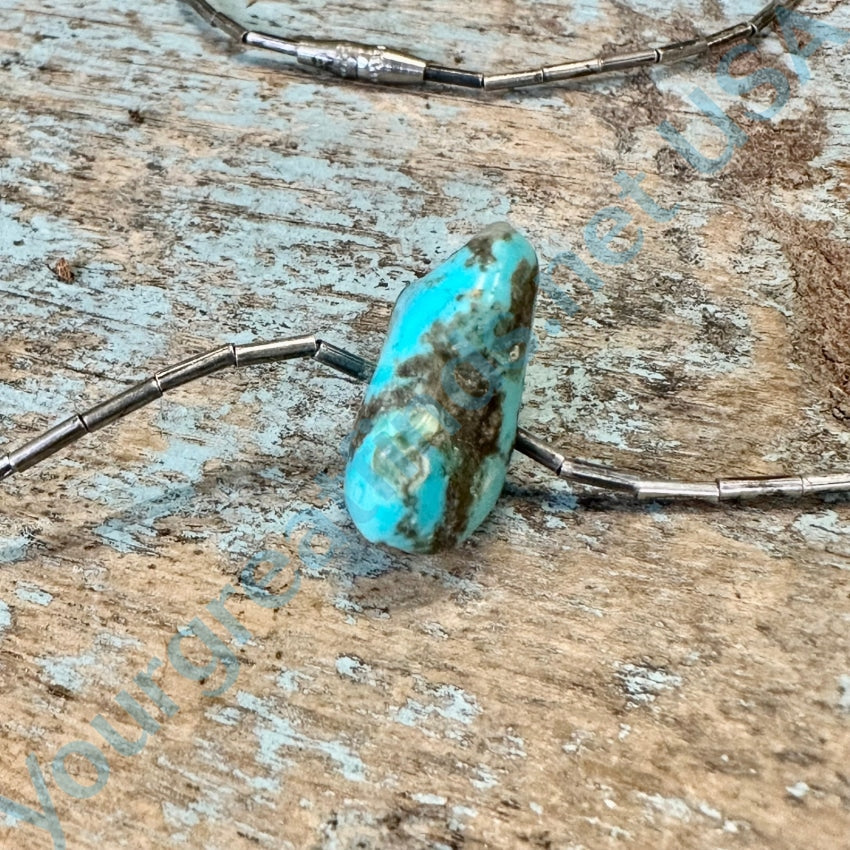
{"points": [[586, 671]]}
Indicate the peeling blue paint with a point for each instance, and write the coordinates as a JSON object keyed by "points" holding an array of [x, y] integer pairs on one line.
{"points": [[444, 703], [289, 681], [64, 670], [642, 684], [355, 669], [14, 549], [484, 778], [227, 716], [277, 734], [826, 530], [31, 593]]}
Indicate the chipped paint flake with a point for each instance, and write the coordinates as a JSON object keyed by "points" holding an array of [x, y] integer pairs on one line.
{"points": [[289, 681], [798, 790], [429, 799], [14, 549], [351, 667], [64, 670], [643, 684], [446, 703], [672, 807], [276, 734], [483, 778], [31, 593], [827, 531], [844, 692]]}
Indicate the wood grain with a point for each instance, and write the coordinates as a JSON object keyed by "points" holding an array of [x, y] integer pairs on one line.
{"points": [[585, 672]]}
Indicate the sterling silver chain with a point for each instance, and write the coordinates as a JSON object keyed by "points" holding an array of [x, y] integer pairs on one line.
{"points": [[378, 64], [227, 356]]}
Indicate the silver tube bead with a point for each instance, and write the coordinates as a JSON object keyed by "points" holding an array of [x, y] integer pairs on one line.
{"points": [[535, 449], [748, 488], [730, 35], [270, 42], [196, 367], [515, 79], [271, 352], [47, 443], [680, 50], [115, 408], [570, 70], [153, 388], [626, 61], [343, 361], [705, 491], [599, 475], [834, 483]]}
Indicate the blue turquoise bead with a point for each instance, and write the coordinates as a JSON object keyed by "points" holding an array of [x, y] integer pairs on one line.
{"points": [[430, 449]]}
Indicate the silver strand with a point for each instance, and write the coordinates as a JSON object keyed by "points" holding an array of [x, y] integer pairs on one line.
{"points": [[71, 429], [378, 64], [716, 490], [577, 471]]}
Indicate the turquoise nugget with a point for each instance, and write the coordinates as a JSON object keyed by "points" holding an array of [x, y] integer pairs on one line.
{"points": [[430, 450]]}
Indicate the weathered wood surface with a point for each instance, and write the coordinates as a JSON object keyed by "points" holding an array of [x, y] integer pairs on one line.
{"points": [[586, 672]]}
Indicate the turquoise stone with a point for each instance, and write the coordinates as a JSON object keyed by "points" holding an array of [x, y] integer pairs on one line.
{"points": [[431, 446]]}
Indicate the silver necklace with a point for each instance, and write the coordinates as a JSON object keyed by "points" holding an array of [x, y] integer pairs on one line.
{"points": [[376, 63]]}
